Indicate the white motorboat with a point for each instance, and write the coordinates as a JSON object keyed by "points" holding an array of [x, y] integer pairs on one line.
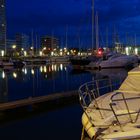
{"points": [[114, 115], [115, 61], [119, 61]]}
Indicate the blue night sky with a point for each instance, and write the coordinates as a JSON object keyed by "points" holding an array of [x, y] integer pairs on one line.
{"points": [[47, 17]]}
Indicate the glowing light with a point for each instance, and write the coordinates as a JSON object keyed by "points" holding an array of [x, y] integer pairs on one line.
{"points": [[44, 48], [136, 51], [22, 49], [61, 67], [79, 53], [52, 53], [99, 52], [127, 50], [46, 76], [40, 53], [14, 46], [45, 69], [55, 67], [32, 48], [14, 75], [2, 53], [32, 71], [61, 53], [25, 53], [3, 74], [25, 71], [41, 69]]}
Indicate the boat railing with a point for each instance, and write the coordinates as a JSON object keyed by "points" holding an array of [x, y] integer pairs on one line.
{"points": [[123, 107], [90, 91]]}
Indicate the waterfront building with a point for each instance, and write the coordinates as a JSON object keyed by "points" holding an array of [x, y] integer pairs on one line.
{"points": [[2, 26], [10, 46], [22, 41], [49, 44]]}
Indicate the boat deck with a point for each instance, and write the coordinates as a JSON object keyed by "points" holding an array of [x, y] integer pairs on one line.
{"points": [[102, 116]]}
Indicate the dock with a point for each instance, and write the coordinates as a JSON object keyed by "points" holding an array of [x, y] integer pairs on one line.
{"points": [[39, 100]]}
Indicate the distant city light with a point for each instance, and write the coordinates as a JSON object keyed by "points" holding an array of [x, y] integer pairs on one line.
{"points": [[2, 53], [136, 51], [52, 53], [40, 53], [14, 46], [25, 53], [44, 48], [127, 50]]}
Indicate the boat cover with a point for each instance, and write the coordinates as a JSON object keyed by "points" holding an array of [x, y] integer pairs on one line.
{"points": [[132, 82]]}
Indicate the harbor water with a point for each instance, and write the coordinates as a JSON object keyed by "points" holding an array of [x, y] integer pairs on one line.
{"points": [[62, 122]]}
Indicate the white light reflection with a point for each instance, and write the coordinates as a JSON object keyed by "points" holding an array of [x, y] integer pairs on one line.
{"points": [[45, 69], [32, 71], [61, 67], [52, 67], [55, 67], [41, 69], [14, 75], [3, 74], [25, 71]]}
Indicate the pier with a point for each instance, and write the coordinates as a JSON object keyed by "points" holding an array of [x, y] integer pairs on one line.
{"points": [[58, 97]]}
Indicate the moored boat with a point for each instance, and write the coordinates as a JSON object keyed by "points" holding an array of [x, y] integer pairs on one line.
{"points": [[115, 61], [114, 115]]}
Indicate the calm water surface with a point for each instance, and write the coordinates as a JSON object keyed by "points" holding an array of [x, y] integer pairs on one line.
{"points": [[62, 123]]}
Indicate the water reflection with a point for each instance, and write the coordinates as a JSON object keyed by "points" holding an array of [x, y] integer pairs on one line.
{"points": [[40, 80]]}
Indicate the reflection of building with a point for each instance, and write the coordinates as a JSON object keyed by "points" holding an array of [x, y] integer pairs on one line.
{"points": [[3, 88], [22, 41], [49, 43], [2, 25]]}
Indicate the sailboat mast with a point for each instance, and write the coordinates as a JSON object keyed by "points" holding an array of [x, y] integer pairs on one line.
{"points": [[97, 31], [135, 40], [107, 38], [66, 37], [92, 25]]}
